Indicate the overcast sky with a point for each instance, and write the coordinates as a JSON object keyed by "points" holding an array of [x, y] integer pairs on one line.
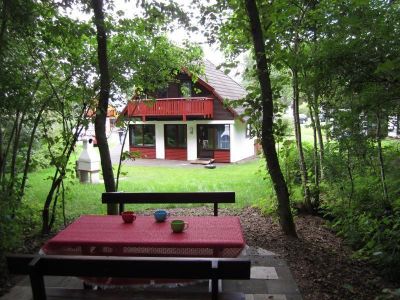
{"points": [[178, 36], [211, 53]]}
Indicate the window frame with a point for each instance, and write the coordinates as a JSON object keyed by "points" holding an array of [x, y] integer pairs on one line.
{"points": [[248, 130], [176, 136], [186, 84], [215, 136], [131, 131]]}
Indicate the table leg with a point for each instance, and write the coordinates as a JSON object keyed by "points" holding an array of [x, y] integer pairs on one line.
{"points": [[217, 252]]}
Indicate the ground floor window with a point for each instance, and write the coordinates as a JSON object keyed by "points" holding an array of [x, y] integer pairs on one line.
{"points": [[214, 137], [142, 135], [175, 136]]}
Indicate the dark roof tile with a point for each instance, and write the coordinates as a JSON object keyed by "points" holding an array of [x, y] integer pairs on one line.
{"points": [[225, 86]]}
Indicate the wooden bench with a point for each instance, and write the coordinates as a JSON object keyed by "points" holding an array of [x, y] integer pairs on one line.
{"points": [[122, 198], [37, 266]]}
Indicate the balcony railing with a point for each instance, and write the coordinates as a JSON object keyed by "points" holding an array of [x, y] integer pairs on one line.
{"points": [[180, 107]]}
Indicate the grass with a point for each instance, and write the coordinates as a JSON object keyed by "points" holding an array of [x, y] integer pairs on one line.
{"points": [[246, 179]]}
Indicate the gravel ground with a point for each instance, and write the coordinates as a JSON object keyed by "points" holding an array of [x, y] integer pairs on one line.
{"points": [[318, 259]]}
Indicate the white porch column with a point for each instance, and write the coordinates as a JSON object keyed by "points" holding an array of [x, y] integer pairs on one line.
{"points": [[160, 146], [191, 140]]}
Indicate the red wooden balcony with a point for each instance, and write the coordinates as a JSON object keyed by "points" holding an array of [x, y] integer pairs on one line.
{"points": [[180, 107]]}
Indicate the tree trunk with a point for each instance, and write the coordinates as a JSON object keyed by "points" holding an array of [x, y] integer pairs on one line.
{"points": [[101, 111], [6, 151], [381, 163], [268, 140], [315, 107], [120, 156], [3, 23], [297, 130], [316, 192], [350, 172], [29, 151], [1, 152], [45, 212], [47, 219], [13, 166]]}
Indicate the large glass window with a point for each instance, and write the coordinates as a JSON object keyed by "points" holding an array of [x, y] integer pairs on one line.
{"points": [[214, 137], [142, 135], [223, 137], [175, 136]]}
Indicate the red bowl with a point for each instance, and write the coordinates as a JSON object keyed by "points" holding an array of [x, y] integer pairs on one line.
{"points": [[128, 216]]}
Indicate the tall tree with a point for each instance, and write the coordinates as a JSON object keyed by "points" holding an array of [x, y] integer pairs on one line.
{"points": [[101, 111], [268, 140]]}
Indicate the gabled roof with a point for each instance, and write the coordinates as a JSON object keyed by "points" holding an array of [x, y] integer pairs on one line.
{"points": [[225, 86]]}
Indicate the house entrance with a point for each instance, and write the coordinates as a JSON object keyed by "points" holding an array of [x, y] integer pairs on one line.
{"points": [[213, 141], [175, 141], [205, 141]]}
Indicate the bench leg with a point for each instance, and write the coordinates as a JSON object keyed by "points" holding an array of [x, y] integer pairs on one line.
{"points": [[214, 289], [37, 284], [87, 286]]}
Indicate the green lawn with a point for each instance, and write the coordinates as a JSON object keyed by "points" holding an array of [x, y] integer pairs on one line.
{"points": [[245, 179]]}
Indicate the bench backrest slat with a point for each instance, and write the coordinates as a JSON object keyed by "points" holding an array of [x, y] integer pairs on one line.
{"points": [[38, 266], [19, 263], [165, 198]]}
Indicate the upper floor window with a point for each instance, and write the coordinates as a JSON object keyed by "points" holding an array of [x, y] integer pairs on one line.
{"points": [[186, 89], [248, 130]]}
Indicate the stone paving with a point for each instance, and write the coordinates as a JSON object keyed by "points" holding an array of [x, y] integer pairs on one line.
{"points": [[270, 280]]}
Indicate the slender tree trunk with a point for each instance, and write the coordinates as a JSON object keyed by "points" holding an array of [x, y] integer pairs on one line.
{"points": [[120, 157], [101, 111], [47, 219], [29, 151], [3, 27], [315, 106], [316, 194], [57, 179], [6, 151], [268, 140], [13, 166], [350, 172], [297, 130], [381, 163], [1, 152], [316, 94], [2, 198]]}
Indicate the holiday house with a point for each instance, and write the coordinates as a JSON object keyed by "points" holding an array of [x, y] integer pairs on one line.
{"points": [[191, 121]]}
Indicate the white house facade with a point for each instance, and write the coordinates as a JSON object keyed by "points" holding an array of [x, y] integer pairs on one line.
{"points": [[199, 125]]}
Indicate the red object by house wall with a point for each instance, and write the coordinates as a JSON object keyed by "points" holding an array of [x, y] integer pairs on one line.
{"points": [[176, 153], [192, 106], [222, 156]]}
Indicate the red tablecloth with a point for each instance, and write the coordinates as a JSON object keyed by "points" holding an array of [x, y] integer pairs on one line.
{"points": [[107, 235]]}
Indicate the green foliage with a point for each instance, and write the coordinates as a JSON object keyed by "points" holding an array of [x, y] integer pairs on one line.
{"points": [[355, 204], [375, 237], [9, 232]]}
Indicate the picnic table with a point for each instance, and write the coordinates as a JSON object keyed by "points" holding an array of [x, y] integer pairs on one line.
{"points": [[207, 236], [108, 235]]}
